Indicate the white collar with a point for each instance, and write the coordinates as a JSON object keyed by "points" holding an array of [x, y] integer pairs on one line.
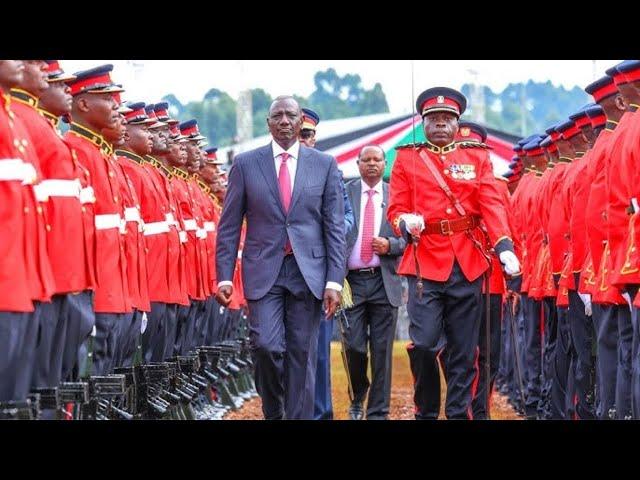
{"points": [[293, 151], [377, 187]]}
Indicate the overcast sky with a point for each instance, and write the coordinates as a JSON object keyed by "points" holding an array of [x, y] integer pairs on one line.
{"points": [[150, 80]]}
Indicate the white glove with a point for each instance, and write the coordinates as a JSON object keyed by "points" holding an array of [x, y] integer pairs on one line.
{"points": [[413, 223], [143, 324], [586, 299], [627, 297], [510, 262]]}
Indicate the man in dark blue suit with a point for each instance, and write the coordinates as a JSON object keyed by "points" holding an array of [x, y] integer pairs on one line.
{"points": [[293, 257]]}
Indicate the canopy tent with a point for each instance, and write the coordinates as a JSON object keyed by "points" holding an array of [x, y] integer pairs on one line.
{"points": [[399, 131]]}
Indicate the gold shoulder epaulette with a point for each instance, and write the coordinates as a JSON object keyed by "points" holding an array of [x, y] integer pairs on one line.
{"points": [[410, 145], [467, 144]]}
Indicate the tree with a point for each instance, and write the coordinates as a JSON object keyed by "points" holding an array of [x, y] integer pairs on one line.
{"points": [[260, 103], [333, 97], [545, 105], [340, 97]]}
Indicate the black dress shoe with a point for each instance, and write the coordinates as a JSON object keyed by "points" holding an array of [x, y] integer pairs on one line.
{"points": [[356, 412]]}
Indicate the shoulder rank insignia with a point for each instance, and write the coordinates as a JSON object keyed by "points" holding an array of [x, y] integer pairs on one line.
{"points": [[470, 144], [411, 145]]}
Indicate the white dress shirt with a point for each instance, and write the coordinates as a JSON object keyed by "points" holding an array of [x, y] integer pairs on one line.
{"points": [[355, 262], [292, 161], [292, 165]]}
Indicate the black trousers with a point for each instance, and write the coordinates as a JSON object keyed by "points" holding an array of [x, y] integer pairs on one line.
{"points": [[108, 341], [606, 320], [80, 323], [372, 323], [582, 358], [632, 290], [451, 308], [533, 353], [51, 339], [561, 389], [18, 338]]}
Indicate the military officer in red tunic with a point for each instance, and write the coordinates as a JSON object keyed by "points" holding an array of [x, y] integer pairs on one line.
{"points": [[95, 108], [439, 194]]}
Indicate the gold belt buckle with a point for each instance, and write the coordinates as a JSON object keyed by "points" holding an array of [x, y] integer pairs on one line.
{"points": [[447, 230]]}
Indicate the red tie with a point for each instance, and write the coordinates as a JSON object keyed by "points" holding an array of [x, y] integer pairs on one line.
{"points": [[366, 247], [284, 182]]}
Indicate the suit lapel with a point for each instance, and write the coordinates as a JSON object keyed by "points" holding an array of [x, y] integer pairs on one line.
{"points": [[268, 169], [385, 202], [356, 194], [303, 170]]}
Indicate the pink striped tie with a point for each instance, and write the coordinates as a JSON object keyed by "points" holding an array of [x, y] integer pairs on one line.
{"points": [[284, 182], [366, 248]]}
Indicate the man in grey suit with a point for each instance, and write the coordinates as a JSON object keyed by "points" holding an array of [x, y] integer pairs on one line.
{"points": [[293, 257], [372, 252]]}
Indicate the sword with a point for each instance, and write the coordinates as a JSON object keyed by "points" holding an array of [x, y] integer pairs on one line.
{"points": [[516, 351], [415, 240], [343, 324]]}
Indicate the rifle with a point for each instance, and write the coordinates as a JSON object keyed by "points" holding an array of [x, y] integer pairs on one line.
{"points": [[49, 399], [76, 393], [102, 390], [21, 409]]}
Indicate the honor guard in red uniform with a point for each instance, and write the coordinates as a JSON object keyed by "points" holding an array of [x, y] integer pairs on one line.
{"points": [[177, 272], [189, 319], [472, 135], [161, 238], [610, 310], [438, 194], [64, 219], [533, 322], [206, 175], [575, 339], [510, 376], [187, 315], [623, 197], [94, 108], [18, 333], [37, 263], [135, 248], [74, 261]]}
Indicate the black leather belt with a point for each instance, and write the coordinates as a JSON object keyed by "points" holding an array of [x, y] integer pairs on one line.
{"points": [[370, 270]]}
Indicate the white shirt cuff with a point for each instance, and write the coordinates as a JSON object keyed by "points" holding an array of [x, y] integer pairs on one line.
{"points": [[225, 283], [334, 286]]}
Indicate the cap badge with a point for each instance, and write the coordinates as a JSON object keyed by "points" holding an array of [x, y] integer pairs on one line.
{"points": [[440, 99]]}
